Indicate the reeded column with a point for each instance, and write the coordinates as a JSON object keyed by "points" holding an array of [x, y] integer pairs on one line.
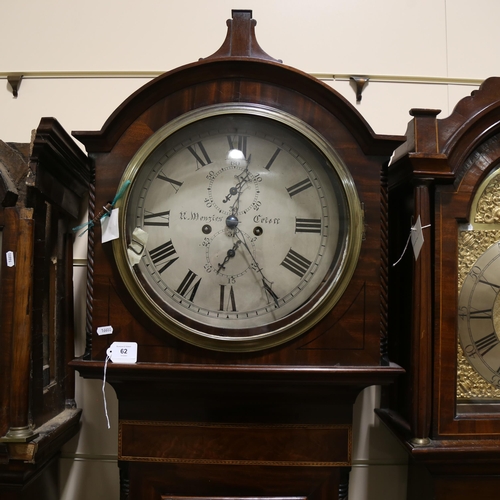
{"points": [[421, 340]]}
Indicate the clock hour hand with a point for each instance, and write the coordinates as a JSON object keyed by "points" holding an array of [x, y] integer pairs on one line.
{"points": [[243, 178], [265, 282]]}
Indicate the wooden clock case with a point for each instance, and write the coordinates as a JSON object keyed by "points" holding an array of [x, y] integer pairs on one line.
{"points": [[41, 189], [434, 176], [272, 423]]}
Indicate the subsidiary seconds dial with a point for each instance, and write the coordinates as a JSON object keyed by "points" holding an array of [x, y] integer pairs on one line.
{"points": [[241, 227]]}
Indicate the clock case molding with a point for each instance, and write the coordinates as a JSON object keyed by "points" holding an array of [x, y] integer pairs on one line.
{"points": [[301, 391], [435, 174]]}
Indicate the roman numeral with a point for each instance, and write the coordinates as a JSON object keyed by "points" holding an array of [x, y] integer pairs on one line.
{"points": [[481, 314], [271, 161], [300, 186], [175, 184], [238, 142], [493, 285], [203, 152], [162, 252], [487, 343], [296, 263], [163, 219], [188, 286], [231, 301], [307, 225]]}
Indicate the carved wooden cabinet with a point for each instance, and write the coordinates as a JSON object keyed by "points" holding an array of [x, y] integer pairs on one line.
{"points": [[41, 188], [444, 329], [234, 392]]}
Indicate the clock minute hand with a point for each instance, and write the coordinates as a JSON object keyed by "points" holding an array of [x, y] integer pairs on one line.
{"points": [[269, 290], [265, 282]]}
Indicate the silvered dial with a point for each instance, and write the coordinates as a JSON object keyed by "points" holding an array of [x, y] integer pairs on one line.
{"points": [[235, 219]]}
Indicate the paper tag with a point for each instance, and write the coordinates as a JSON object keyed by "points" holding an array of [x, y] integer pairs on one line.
{"points": [[105, 330], [109, 226], [417, 238], [122, 352], [10, 258]]}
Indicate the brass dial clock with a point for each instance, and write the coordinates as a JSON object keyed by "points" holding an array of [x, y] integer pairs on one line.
{"points": [[479, 313], [479, 299], [241, 227]]}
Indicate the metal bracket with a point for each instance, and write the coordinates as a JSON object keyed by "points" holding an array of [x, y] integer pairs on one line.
{"points": [[15, 82], [360, 84]]}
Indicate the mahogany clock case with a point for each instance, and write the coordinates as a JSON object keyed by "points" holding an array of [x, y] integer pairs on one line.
{"points": [[274, 421], [201, 422], [352, 332], [41, 187], [438, 176], [466, 153]]}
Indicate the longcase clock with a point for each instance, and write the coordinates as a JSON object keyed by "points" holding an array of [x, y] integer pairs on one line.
{"points": [[41, 189], [445, 329], [251, 271]]}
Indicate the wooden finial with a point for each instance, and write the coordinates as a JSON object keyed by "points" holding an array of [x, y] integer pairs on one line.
{"points": [[240, 39]]}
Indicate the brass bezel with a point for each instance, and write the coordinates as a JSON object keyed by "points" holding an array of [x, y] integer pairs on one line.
{"points": [[330, 296]]}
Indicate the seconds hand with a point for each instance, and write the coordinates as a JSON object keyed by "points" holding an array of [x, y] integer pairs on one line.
{"points": [[267, 284], [229, 255], [232, 223]]}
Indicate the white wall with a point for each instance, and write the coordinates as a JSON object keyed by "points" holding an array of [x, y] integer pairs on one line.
{"points": [[82, 59]]}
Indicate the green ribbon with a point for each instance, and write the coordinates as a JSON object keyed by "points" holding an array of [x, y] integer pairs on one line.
{"points": [[106, 211]]}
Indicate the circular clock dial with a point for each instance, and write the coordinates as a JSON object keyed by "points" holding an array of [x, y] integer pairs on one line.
{"points": [[479, 315], [241, 226]]}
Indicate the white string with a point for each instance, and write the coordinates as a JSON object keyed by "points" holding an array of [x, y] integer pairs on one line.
{"points": [[407, 243], [404, 250], [103, 391]]}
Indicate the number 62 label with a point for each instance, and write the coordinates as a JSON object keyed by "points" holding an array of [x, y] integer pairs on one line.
{"points": [[122, 352]]}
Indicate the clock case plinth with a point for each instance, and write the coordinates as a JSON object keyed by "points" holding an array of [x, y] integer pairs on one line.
{"points": [[301, 391], [455, 448]]}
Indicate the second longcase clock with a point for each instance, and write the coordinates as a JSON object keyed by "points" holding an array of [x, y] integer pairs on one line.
{"points": [[446, 331]]}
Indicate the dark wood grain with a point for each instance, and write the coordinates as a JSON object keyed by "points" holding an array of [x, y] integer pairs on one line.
{"points": [[265, 422], [10, 220], [436, 174], [421, 348], [38, 413], [153, 481], [356, 319], [60, 168], [235, 444], [22, 322], [240, 39]]}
